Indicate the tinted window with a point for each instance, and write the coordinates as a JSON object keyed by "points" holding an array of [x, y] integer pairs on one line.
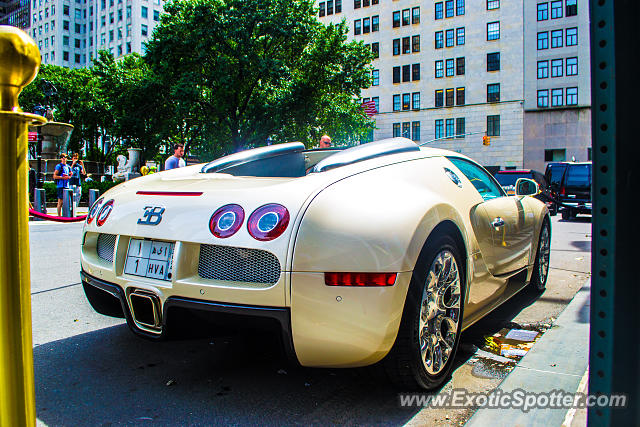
{"points": [[554, 175], [578, 176], [510, 178], [480, 178]]}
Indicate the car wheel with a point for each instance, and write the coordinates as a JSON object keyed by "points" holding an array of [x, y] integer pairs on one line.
{"points": [[541, 264], [425, 348], [566, 214]]}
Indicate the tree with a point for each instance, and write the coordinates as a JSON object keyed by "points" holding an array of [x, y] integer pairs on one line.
{"points": [[246, 70]]}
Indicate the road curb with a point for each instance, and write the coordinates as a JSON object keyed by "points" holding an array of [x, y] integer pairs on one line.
{"points": [[557, 361]]}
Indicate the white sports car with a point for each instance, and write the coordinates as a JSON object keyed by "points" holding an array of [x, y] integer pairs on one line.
{"points": [[380, 254]]}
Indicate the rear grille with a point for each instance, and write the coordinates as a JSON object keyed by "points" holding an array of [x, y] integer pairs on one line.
{"points": [[105, 247], [238, 264]]}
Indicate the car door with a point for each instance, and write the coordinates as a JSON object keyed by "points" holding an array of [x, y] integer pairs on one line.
{"points": [[500, 216]]}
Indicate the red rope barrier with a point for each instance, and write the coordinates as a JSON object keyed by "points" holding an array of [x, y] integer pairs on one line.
{"points": [[56, 218]]}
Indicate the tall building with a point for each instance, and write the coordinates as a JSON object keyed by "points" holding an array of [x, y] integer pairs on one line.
{"points": [[15, 13], [447, 72], [71, 33]]}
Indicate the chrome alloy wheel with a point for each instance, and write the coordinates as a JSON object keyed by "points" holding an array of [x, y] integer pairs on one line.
{"points": [[439, 312], [543, 254]]}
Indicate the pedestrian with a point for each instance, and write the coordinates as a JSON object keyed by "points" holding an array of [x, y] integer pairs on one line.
{"points": [[61, 176], [325, 141], [77, 169], [176, 160]]}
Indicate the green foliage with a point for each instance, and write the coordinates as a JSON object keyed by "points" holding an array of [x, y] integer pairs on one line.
{"points": [[51, 192]]}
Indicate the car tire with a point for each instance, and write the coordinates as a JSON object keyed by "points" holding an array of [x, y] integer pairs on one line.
{"points": [[103, 302], [414, 361], [541, 264], [566, 214]]}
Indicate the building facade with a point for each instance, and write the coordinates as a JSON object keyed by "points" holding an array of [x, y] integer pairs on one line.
{"points": [[448, 72], [70, 33], [16, 13]]}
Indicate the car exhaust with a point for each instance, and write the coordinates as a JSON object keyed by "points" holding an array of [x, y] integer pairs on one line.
{"points": [[145, 309]]}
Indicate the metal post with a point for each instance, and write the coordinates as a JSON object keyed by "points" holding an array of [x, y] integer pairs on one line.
{"points": [[40, 202], [19, 64], [93, 196], [67, 202]]}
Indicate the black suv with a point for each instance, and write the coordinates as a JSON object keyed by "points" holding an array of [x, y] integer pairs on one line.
{"points": [[508, 178], [570, 185]]}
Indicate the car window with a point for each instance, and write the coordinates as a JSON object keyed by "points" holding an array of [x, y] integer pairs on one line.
{"points": [[480, 178], [505, 179], [578, 176], [554, 175]]}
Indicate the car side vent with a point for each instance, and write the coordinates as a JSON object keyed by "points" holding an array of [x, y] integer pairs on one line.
{"points": [[238, 264], [105, 247]]}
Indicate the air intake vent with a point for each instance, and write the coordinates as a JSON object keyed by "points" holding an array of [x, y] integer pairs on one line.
{"points": [[238, 264], [105, 247]]}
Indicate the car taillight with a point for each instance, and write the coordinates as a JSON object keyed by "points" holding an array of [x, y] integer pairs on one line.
{"points": [[360, 279], [268, 222], [104, 213], [94, 210], [562, 191], [226, 221]]}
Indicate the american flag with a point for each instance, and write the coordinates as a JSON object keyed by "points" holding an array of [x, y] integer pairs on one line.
{"points": [[370, 108]]}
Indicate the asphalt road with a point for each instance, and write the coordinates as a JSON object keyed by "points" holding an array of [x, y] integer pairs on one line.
{"points": [[91, 370]]}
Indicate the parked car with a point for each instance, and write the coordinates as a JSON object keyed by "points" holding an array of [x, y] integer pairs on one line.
{"points": [[571, 187], [508, 178], [381, 254]]}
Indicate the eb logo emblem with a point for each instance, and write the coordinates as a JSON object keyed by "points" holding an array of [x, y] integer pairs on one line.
{"points": [[152, 215]]}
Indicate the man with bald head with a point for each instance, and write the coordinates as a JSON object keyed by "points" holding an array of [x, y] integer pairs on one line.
{"points": [[325, 141]]}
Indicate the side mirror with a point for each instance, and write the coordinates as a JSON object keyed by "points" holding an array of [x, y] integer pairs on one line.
{"points": [[526, 187]]}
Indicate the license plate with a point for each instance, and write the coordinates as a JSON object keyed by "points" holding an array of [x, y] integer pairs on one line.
{"points": [[149, 258]]}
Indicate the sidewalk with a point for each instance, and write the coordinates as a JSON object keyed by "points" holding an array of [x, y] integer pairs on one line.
{"points": [[558, 361]]}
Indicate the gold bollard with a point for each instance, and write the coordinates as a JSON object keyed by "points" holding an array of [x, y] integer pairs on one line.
{"points": [[19, 64]]}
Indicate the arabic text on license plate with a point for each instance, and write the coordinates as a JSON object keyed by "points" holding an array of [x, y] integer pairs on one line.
{"points": [[149, 258]]}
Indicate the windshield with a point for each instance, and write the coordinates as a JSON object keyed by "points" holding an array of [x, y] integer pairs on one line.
{"points": [[506, 179]]}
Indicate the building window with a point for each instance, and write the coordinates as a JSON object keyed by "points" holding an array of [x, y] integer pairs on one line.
{"points": [[396, 130], [406, 129], [556, 38], [65, 25], [556, 97], [145, 12], [396, 74], [366, 25], [450, 38], [396, 47], [543, 98], [406, 101], [460, 66], [556, 9], [493, 4], [555, 155], [396, 102], [357, 27], [459, 7], [572, 37], [572, 96], [543, 11], [406, 73], [493, 92], [439, 42], [415, 100], [375, 48], [450, 67], [76, 43], [493, 61], [65, 56], [572, 66], [439, 10], [460, 36], [144, 30], [415, 131], [439, 98], [406, 15], [493, 30], [406, 45], [450, 128], [376, 102], [460, 96], [415, 15], [65, 10], [415, 44], [338, 6], [375, 23], [543, 40], [415, 72], [543, 69], [448, 9], [375, 78], [556, 67], [439, 69], [439, 128], [396, 19], [449, 97], [357, 4], [460, 125], [493, 125], [330, 7], [65, 40], [571, 8]]}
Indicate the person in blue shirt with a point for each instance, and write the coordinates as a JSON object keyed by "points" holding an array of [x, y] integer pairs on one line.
{"points": [[61, 176], [77, 169], [175, 161]]}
